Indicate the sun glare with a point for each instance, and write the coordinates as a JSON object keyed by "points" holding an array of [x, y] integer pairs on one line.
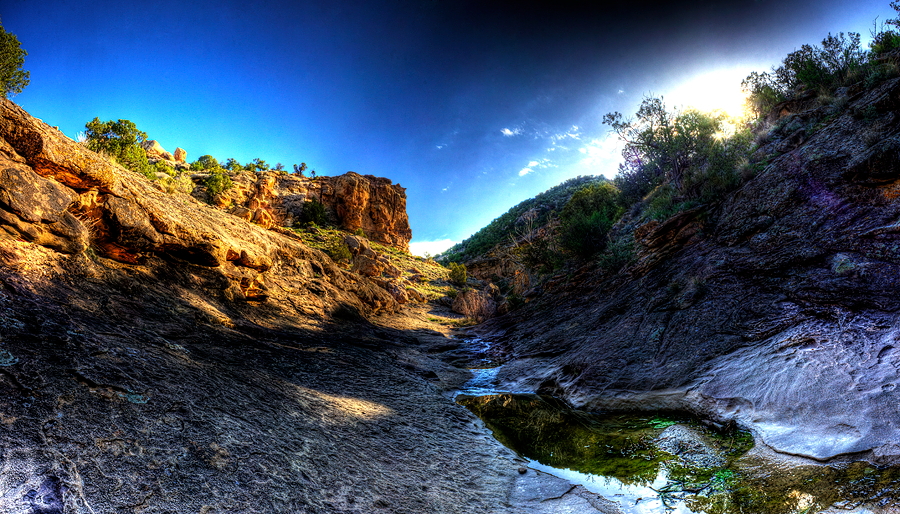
{"points": [[718, 90]]}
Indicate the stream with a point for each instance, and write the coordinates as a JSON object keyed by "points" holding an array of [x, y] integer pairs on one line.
{"points": [[665, 462]]}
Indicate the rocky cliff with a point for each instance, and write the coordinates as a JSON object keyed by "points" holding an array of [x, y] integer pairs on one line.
{"points": [[352, 201], [778, 308]]}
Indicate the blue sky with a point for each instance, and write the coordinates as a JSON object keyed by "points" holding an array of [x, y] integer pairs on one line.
{"points": [[473, 106]]}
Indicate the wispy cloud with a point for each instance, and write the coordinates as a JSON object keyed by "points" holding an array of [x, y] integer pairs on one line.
{"points": [[536, 165], [511, 132]]}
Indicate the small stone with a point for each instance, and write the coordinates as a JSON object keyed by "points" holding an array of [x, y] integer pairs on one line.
{"points": [[523, 470]]}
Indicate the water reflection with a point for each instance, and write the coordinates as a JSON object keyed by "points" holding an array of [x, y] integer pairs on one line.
{"points": [[618, 457]]}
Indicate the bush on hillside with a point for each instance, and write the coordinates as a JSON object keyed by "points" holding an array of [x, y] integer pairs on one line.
{"points": [[233, 165], [587, 218], [259, 165], [162, 167], [839, 61], [120, 140], [339, 252], [458, 274], [218, 182], [678, 158], [313, 212], [205, 162]]}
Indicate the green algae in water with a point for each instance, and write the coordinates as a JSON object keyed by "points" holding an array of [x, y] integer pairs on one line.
{"points": [[621, 447]]}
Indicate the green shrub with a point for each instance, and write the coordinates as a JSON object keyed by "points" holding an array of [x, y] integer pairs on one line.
{"points": [[339, 252], [120, 140], [181, 183], [313, 212], [205, 162], [259, 164], [162, 167], [884, 42], [233, 165], [587, 218], [763, 92], [359, 232], [12, 78], [839, 61], [452, 293], [617, 254], [218, 182], [458, 274]]}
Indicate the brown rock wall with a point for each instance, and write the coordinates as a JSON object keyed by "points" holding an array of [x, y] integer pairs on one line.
{"points": [[352, 201]]}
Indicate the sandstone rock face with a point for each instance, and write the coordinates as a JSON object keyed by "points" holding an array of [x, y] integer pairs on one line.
{"points": [[156, 151], [777, 309], [370, 203], [352, 201], [180, 155]]}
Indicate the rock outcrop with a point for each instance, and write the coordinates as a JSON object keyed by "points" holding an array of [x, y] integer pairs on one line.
{"points": [[777, 309], [180, 155], [156, 151], [56, 193], [352, 201]]}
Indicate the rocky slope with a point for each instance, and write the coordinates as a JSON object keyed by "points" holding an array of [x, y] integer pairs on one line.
{"points": [[777, 309], [160, 355]]}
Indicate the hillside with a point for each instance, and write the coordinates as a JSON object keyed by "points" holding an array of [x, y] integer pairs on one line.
{"points": [[774, 307], [527, 215]]}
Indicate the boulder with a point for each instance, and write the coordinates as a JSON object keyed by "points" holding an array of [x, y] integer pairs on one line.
{"points": [[367, 266], [35, 209], [691, 446], [155, 150], [414, 294], [475, 304], [373, 204], [359, 246], [180, 155]]}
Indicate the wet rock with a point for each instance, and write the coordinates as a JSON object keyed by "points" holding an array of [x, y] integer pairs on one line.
{"points": [[691, 446]]}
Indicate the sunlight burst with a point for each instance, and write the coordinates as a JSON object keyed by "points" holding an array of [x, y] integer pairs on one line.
{"points": [[718, 90]]}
